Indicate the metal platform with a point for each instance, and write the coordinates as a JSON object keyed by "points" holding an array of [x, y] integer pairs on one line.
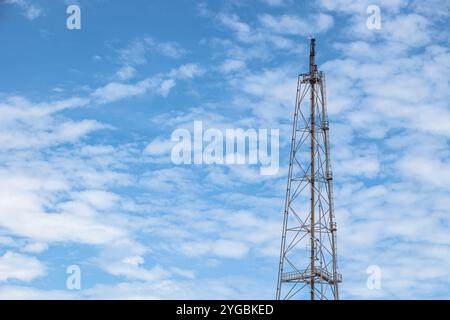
{"points": [[305, 276]]}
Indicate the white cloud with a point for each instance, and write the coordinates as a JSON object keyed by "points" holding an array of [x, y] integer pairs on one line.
{"points": [[134, 260], [19, 207], [132, 269], [242, 29], [126, 73], [135, 53], [17, 107], [359, 7], [20, 267], [232, 65], [11, 292], [35, 247], [159, 146], [294, 25], [32, 125], [115, 91], [229, 248], [170, 49], [138, 50], [168, 180], [165, 87], [189, 274], [400, 28], [268, 106], [30, 11], [187, 71], [225, 287], [37, 183], [99, 199], [222, 248], [424, 169], [409, 28]]}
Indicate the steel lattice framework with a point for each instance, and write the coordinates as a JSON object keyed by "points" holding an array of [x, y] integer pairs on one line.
{"points": [[308, 266]]}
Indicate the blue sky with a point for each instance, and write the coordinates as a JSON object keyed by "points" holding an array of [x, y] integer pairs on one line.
{"points": [[86, 117]]}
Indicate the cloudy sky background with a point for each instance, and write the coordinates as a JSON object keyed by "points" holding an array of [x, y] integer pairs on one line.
{"points": [[85, 123]]}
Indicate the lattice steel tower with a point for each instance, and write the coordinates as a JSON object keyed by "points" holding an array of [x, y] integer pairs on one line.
{"points": [[308, 266]]}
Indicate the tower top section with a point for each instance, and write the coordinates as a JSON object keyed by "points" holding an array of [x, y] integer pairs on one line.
{"points": [[312, 57]]}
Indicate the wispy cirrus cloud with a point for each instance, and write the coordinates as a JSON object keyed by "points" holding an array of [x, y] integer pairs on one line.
{"points": [[138, 50], [294, 25], [30, 10]]}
